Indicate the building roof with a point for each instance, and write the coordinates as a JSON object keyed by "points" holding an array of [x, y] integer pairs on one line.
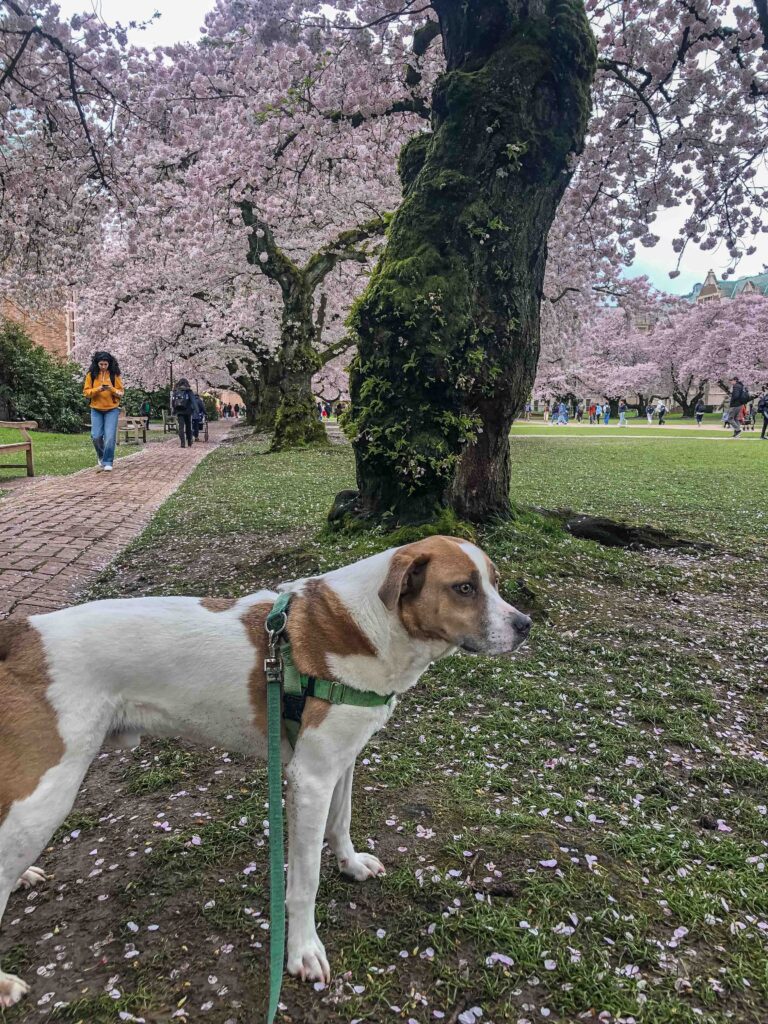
{"points": [[729, 289]]}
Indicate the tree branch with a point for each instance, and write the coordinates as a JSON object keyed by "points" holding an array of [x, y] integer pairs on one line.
{"points": [[261, 242], [423, 36], [336, 349], [344, 247]]}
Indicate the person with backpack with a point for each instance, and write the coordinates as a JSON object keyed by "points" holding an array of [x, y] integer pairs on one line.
{"points": [[762, 408], [146, 411], [622, 412], [739, 397], [183, 407], [699, 412], [650, 409], [662, 410], [103, 387]]}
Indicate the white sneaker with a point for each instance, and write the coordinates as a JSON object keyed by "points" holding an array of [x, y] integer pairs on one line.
{"points": [[107, 469], [100, 468]]}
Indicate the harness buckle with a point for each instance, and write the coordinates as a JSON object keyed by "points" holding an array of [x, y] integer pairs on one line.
{"points": [[336, 692]]}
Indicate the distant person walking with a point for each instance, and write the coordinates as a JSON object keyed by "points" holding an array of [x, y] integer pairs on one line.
{"points": [[592, 412], [762, 408], [198, 417], [649, 411], [622, 413], [104, 389], [739, 397], [562, 414], [699, 412], [662, 411], [526, 416], [183, 407], [579, 412], [749, 416], [607, 413], [146, 411]]}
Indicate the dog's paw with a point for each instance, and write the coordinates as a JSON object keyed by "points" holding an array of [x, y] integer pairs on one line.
{"points": [[32, 876], [308, 961], [11, 990], [361, 866]]}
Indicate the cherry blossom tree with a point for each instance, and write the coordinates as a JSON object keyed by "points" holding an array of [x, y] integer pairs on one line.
{"points": [[274, 143], [688, 347], [726, 338], [63, 108], [678, 112], [270, 167]]}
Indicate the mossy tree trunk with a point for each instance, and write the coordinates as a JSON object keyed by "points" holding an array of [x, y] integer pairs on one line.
{"points": [[296, 421], [286, 402], [448, 329]]}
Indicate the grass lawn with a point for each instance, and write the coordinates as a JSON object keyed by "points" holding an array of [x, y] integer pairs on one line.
{"points": [[577, 833], [55, 454], [634, 428]]}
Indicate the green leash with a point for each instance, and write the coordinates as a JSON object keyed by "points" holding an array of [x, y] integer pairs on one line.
{"points": [[273, 670], [282, 675]]}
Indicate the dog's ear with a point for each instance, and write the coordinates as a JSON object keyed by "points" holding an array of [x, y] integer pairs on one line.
{"points": [[405, 576]]}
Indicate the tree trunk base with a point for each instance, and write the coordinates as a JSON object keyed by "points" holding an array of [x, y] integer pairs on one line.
{"points": [[297, 425]]}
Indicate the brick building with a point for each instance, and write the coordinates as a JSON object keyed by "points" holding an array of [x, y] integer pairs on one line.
{"points": [[53, 329]]}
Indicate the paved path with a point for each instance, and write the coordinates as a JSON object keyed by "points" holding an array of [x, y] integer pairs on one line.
{"points": [[58, 533], [595, 436], [335, 434]]}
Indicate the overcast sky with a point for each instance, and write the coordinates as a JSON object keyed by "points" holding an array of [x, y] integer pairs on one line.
{"points": [[181, 20]]}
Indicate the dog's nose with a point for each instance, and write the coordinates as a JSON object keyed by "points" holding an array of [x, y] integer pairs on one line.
{"points": [[522, 623]]}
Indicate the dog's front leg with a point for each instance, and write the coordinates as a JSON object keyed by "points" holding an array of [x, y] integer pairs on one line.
{"points": [[310, 787], [357, 865]]}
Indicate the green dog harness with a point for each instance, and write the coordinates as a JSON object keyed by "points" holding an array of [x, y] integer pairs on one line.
{"points": [[287, 691], [297, 686]]}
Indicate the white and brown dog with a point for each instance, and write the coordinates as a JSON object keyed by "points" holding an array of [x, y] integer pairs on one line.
{"points": [[71, 678]]}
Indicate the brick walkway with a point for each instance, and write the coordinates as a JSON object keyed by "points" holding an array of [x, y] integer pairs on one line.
{"points": [[58, 533]]}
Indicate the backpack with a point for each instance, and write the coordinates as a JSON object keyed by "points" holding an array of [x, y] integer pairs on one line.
{"points": [[183, 401], [742, 396]]}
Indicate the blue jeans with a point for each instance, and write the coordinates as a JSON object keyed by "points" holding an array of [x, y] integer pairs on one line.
{"points": [[104, 434]]}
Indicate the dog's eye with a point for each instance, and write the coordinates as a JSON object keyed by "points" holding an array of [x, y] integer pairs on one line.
{"points": [[464, 588]]}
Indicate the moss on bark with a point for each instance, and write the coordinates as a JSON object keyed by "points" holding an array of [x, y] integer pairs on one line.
{"points": [[448, 327]]}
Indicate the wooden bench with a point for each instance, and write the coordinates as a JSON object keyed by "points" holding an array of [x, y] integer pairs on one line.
{"points": [[19, 446], [170, 423], [132, 425]]}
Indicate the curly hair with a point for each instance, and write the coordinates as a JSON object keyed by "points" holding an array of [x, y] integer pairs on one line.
{"points": [[114, 368]]}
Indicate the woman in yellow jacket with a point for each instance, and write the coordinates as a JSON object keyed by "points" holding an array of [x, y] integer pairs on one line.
{"points": [[104, 388]]}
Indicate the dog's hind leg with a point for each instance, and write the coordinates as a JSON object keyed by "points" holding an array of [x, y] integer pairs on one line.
{"points": [[356, 865], [24, 832]]}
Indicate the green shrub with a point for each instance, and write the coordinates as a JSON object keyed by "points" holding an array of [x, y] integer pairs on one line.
{"points": [[35, 385], [135, 398], [211, 412]]}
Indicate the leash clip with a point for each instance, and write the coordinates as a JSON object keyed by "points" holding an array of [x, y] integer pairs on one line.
{"points": [[273, 668]]}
